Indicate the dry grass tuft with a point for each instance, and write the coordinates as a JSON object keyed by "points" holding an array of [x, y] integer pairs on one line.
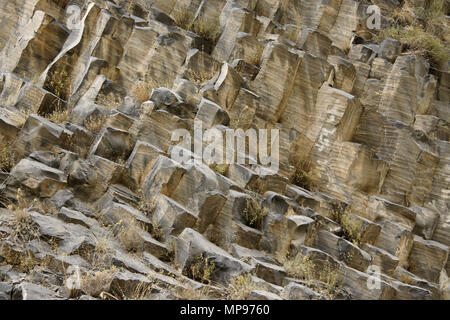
{"points": [[198, 77], [183, 18], [128, 235], [95, 123], [25, 229], [107, 101], [201, 269], [254, 213], [96, 283], [58, 82], [420, 29], [240, 288], [352, 229], [208, 30], [303, 268], [194, 294], [59, 115], [302, 176], [221, 168], [8, 158]]}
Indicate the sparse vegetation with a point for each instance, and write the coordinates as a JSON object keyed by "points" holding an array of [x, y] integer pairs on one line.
{"points": [[254, 213], [147, 206], [206, 29], [406, 278], [24, 228], [108, 102], [302, 176], [221, 168], [199, 77], [23, 261], [58, 82], [95, 123], [191, 293], [420, 29], [59, 115], [157, 231], [201, 269], [304, 268], [241, 287], [352, 229], [300, 267], [98, 282], [183, 18], [128, 235], [8, 158]]}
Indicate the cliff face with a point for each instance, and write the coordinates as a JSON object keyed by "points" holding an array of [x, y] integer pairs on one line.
{"points": [[94, 205]]}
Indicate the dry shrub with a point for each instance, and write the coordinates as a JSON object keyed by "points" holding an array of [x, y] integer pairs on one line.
{"points": [[157, 231], [99, 256], [25, 229], [352, 229], [141, 291], [254, 213], [183, 18], [96, 283], [95, 123], [147, 206], [303, 268], [23, 261], [128, 235], [198, 77], [221, 168], [59, 115], [194, 293], [300, 267], [406, 278], [108, 102], [302, 176], [58, 82], [241, 287], [420, 29], [201, 269], [208, 30], [8, 158]]}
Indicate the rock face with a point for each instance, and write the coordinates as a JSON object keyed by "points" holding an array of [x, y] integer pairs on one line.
{"points": [[95, 205]]}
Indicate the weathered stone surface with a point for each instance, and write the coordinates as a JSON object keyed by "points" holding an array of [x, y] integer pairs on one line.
{"points": [[30, 291], [427, 258], [294, 291], [5, 291], [90, 108], [39, 178], [263, 295]]}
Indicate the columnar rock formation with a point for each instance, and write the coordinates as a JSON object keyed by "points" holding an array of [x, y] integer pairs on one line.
{"points": [[93, 205]]}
